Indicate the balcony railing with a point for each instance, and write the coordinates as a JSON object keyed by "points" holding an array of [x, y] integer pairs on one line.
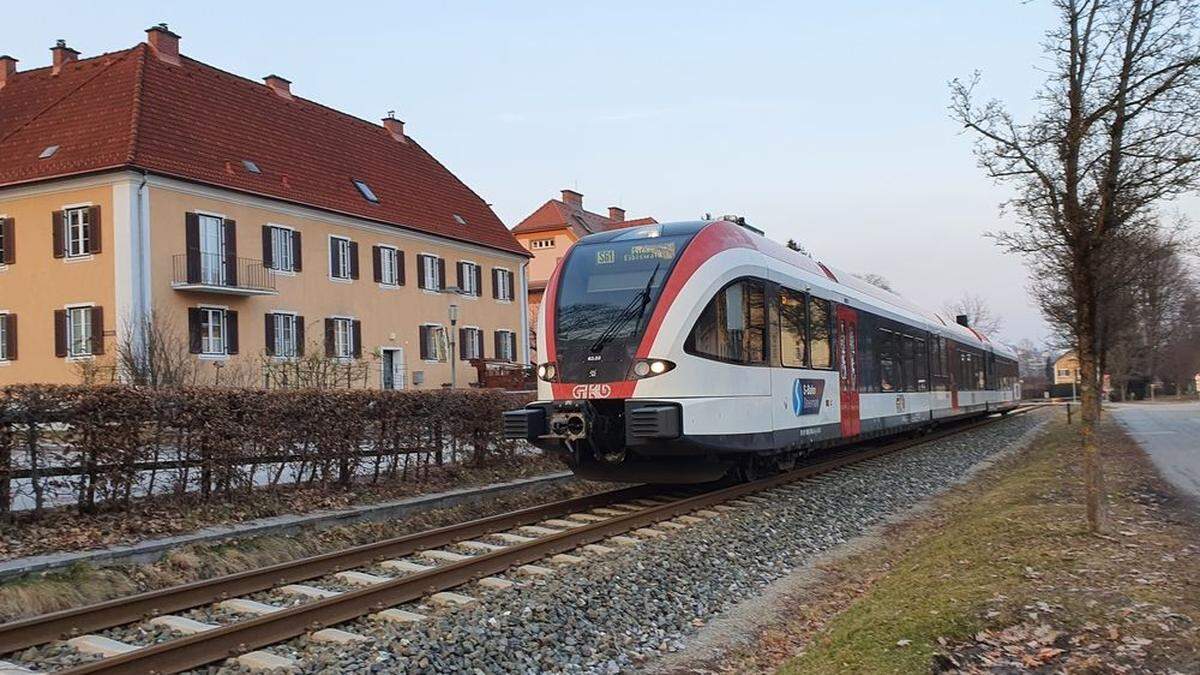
{"points": [[219, 273]]}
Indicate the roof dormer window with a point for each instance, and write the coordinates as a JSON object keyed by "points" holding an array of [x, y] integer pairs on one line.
{"points": [[366, 192], [48, 152], [251, 166], [459, 219]]}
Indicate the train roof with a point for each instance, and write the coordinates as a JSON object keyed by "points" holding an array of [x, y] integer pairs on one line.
{"points": [[832, 278]]}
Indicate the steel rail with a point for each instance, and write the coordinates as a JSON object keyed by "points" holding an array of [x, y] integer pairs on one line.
{"points": [[37, 630], [230, 640]]}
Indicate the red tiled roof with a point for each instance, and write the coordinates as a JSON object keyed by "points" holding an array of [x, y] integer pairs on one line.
{"points": [[556, 214], [131, 109]]}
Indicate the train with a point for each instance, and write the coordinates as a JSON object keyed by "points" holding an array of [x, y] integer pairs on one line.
{"points": [[693, 352]]}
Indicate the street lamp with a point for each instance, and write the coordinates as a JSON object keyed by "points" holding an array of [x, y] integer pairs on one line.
{"points": [[453, 332]]}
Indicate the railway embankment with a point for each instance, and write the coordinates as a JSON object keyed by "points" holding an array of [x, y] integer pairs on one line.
{"points": [[999, 575]]}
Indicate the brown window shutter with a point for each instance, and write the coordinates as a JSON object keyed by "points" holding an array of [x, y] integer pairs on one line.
{"points": [[495, 284], [269, 332], [97, 330], [329, 338], [478, 269], [56, 224], [60, 332], [231, 267], [8, 231], [10, 335], [460, 273], [299, 336], [462, 343], [194, 330], [96, 233], [441, 271], [377, 261], [354, 260], [231, 331], [356, 329], [192, 244], [512, 292], [268, 249], [421, 270], [334, 270], [400, 267], [497, 338], [424, 340], [296, 248]]}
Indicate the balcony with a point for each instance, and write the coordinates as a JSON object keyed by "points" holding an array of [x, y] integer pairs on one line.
{"points": [[219, 273]]}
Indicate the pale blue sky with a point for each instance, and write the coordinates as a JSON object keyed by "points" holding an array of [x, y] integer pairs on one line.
{"points": [[825, 122]]}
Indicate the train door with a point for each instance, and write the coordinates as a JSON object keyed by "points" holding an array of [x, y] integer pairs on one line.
{"points": [[847, 334], [953, 368]]}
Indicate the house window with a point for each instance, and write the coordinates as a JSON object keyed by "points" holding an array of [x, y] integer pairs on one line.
{"points": [[78, 231], [212, 332], [430, 273], [468, 278], [389, 266], [366, 192], [343, 338], [212, 249], [285, 335], [282, 249], [433, 343], [79, 331], [504, 284], [506, 345], [339, 258], [538, 244], [472, 344]]}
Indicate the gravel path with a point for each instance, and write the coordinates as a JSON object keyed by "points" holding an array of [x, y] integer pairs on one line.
{"points": [[615, 612]]}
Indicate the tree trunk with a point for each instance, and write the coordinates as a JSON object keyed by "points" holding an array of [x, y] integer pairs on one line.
{"points": [[1093, 472]]}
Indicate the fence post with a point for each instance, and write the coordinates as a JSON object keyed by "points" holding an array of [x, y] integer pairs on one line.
{"points": [[6, 445], [1068, 413]]}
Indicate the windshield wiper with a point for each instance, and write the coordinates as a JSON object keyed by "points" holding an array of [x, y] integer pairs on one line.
{"points": [[634, 310]]}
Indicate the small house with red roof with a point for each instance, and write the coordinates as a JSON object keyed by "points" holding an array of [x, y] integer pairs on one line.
{"points": [[553, 227], [145, 193]]}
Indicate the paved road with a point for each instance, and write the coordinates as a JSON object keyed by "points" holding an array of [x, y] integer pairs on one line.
{"points": [[1170, 434]]}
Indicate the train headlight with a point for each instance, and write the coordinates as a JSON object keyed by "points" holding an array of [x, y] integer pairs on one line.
{"points": [[547, 372], [651, 367]]}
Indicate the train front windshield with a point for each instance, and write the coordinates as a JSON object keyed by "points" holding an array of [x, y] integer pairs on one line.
{"points": [[606, 294]]}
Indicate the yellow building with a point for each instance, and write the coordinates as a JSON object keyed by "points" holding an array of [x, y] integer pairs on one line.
{"points": [[1066, 368], [152, 204]]}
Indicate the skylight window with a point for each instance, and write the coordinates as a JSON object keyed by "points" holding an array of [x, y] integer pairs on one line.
{"points": [[459, 219], [251, 166], [366, 191], [48, 152]]}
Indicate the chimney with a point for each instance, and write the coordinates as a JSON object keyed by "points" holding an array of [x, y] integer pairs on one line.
{"points": [[573, 198], [616, 214], [164, 43], [395, 127], [62, 55], [963, 320], [8, 68], [279, 85]]}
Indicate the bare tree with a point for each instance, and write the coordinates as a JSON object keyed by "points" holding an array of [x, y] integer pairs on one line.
{"points": [[877, 280], [978, 312], [1117, 134], [153, 352]]}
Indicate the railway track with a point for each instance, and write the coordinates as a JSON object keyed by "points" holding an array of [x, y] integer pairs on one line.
{"points": [[545, 531]]}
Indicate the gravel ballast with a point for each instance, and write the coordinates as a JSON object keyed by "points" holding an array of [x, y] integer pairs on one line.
{"points": [[616, 611]]}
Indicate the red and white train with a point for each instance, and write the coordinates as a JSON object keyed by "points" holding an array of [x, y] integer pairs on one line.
{"points": [[678, 352]]}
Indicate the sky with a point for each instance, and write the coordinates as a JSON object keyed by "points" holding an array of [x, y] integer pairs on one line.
{"points": [[822, 122]]}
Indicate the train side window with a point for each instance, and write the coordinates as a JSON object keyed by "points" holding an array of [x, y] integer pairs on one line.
{"points": [[733, 326], [922, 364], [820, 336], [793, 347], [868, 369], [889, 361], [908, 359]]}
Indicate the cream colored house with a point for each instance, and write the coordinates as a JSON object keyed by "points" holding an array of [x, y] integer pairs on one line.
{"points": [[143, 188], [1066, 368]]}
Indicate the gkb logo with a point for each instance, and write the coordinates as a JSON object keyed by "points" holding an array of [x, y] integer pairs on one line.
{"points": [[806, 396]]}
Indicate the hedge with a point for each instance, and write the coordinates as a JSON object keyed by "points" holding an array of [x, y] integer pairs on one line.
{"points": [[108, 445]]}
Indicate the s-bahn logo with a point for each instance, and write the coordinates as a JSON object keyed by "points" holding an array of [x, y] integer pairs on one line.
{"points": [[806, 396], [591, 391]]}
